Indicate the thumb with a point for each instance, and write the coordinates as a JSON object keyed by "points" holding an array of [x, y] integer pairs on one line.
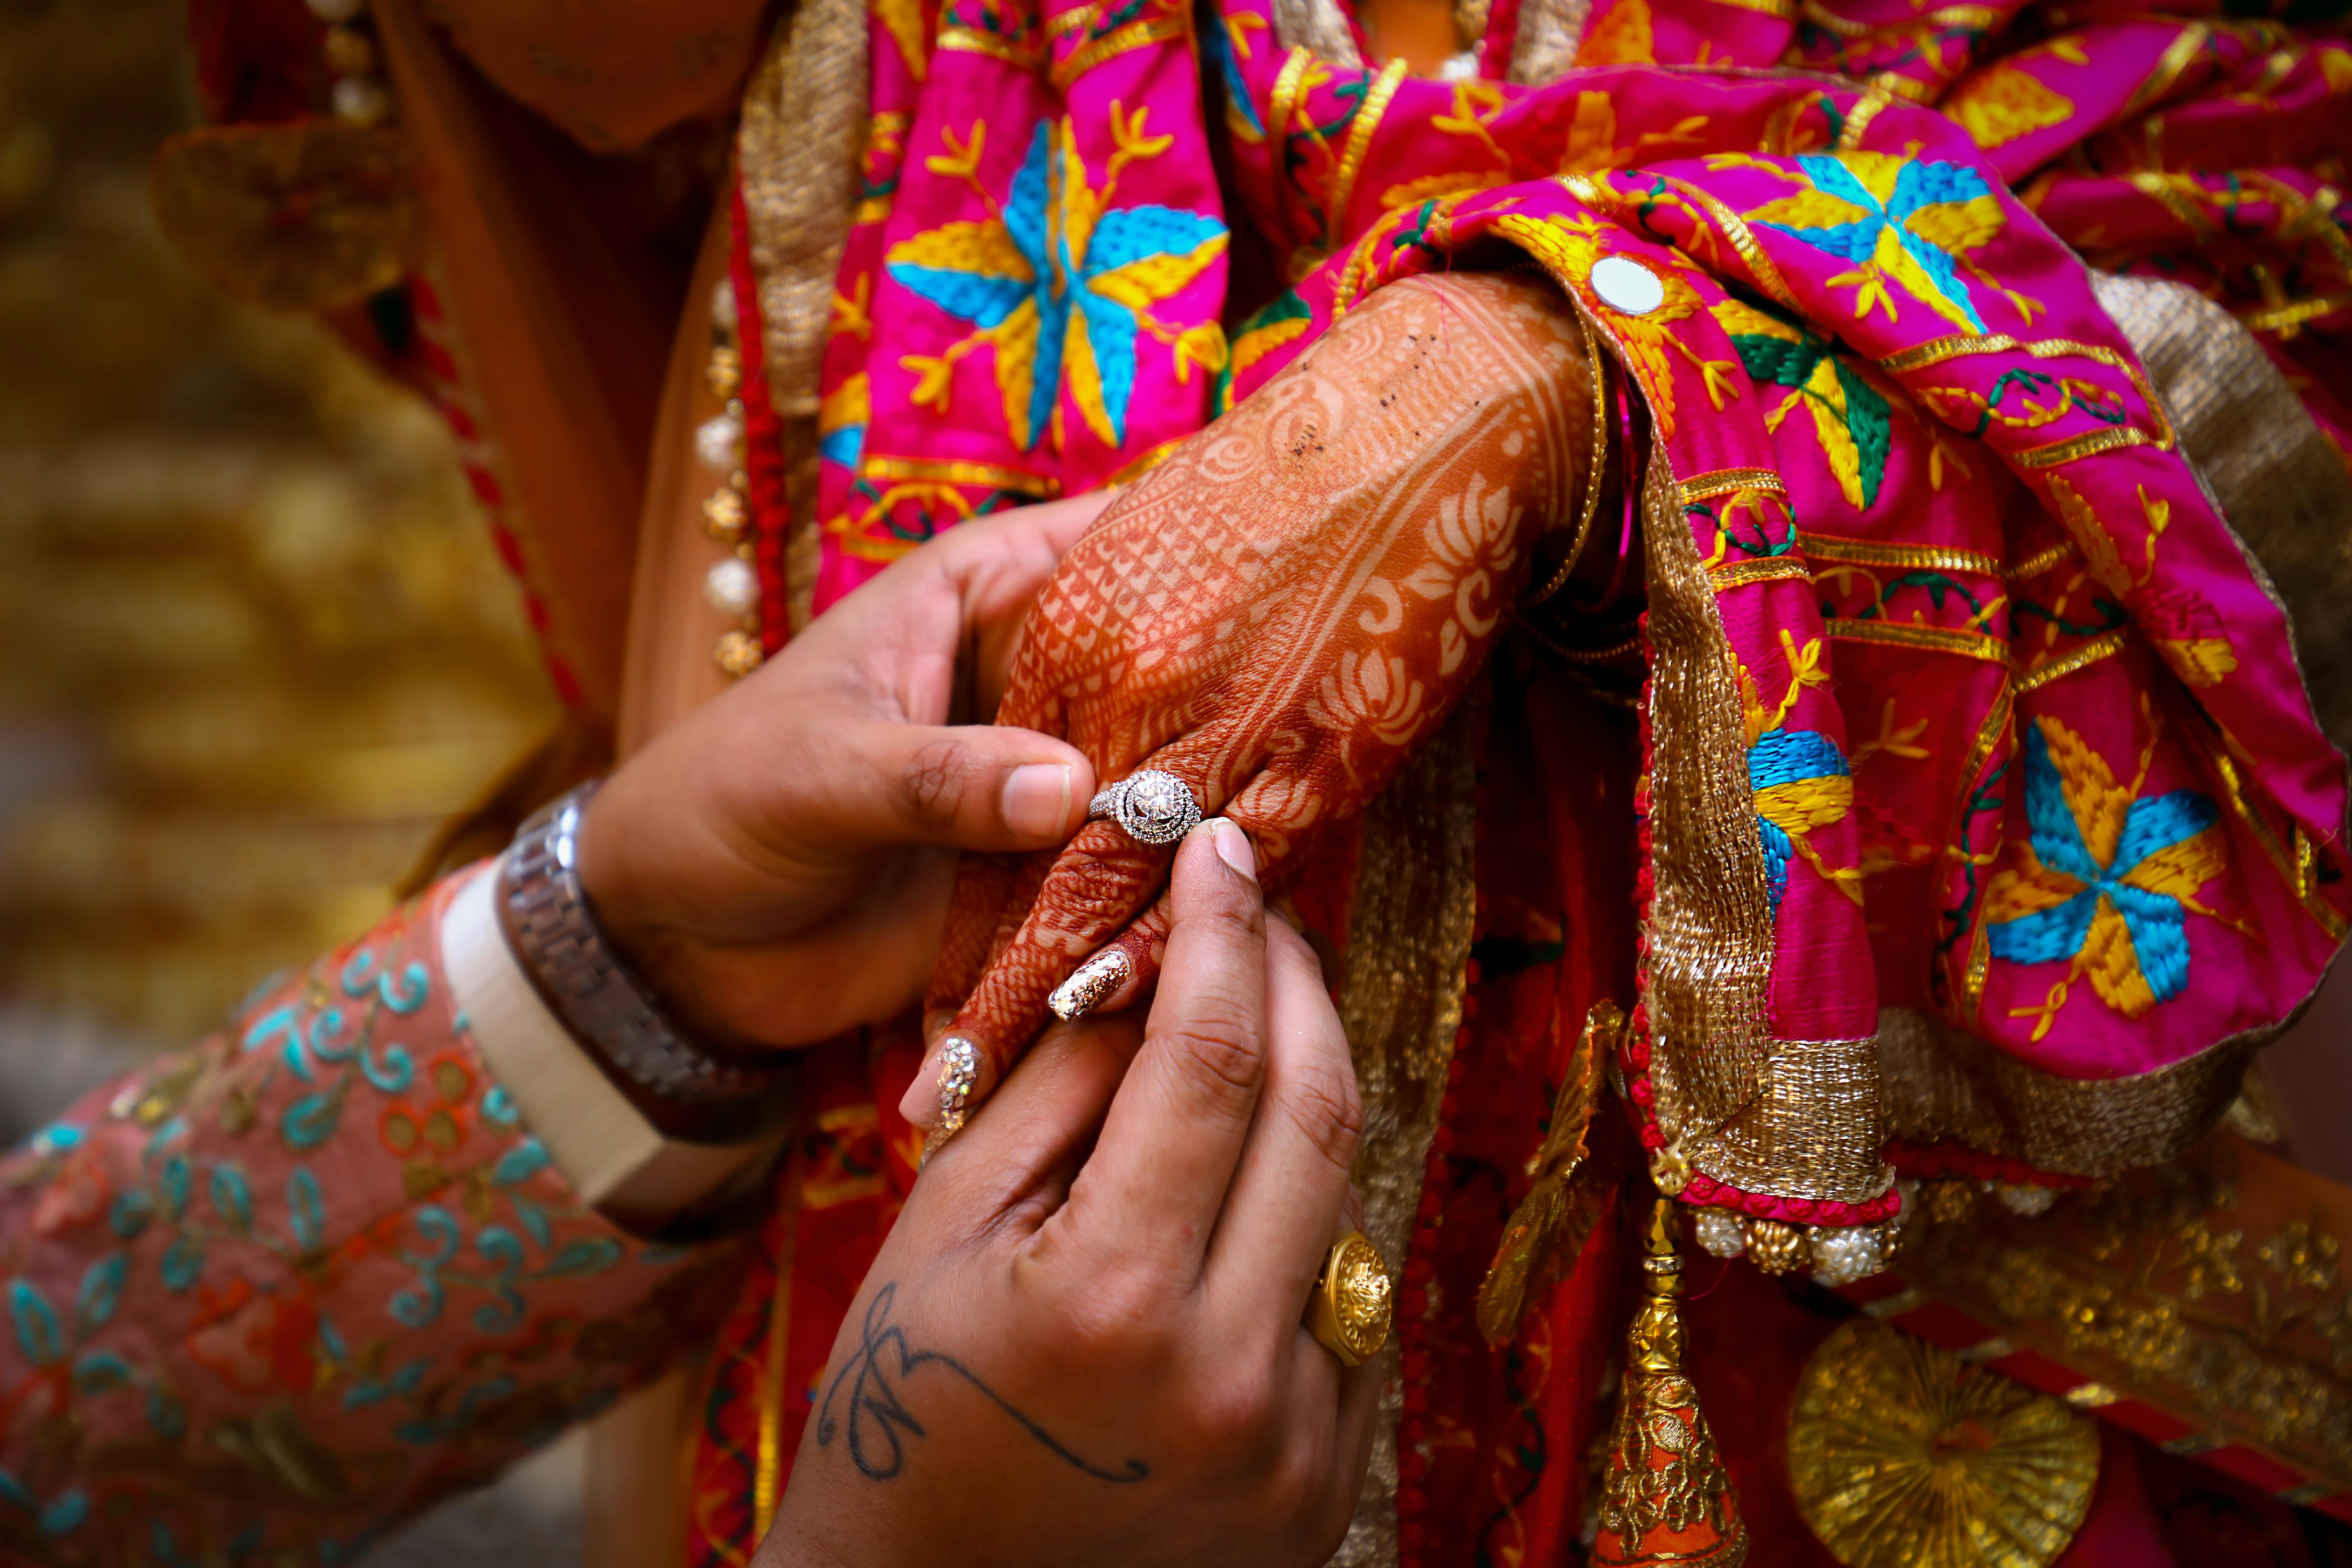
{"points": [[983, 787]]}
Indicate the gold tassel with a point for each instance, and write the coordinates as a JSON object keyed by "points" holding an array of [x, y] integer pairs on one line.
{"points": [[1665, 1496], [1549, 1229]]}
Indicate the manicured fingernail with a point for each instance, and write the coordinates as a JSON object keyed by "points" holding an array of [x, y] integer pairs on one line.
{"points": [[942, 1092], [1090, 983], [1234, 846], [1037, 799]]}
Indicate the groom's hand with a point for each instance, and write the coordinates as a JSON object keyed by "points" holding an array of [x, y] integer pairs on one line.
{"points": [[778, 863]]}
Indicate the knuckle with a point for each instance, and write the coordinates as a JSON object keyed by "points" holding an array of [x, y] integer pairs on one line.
{"points": [[1116, 1317], [1233, 1412], [1218, 1052], [932, 784], [1329, 1111], [1091, 890]]}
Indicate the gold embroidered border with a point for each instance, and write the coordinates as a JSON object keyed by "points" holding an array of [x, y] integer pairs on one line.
{"points": [[1867, 108], [2041, 560], [1711, 941], [955, 471], [1028, 57], [2085, 445], [1282, 106], [2176, 58], [2280, 316], [1735, 228], [1409, 932], [1788, 1116], [1135, 34], [1367, 120], [1961, 345], [1990, 733], [1822, 547], [1813, 1132], [1928, 639], [1716, 1076], [1146, 463], [1781, 10], [1939, 1082], [799, 150], [2177, 195], [2105, 646], [1723, 482], [1729, 575], [2294, 870]]}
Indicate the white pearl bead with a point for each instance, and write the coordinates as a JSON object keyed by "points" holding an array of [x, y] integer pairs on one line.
{"points": [[1626, 286], [361, 101], [1843, 1254], [336, 10], [2027, 1201], [1719, 1231], [732, 587], [719, 442]]}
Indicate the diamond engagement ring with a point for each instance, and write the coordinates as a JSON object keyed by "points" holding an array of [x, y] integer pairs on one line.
{"points": [[1153, 806]]}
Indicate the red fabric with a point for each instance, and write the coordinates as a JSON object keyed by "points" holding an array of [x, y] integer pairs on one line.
{"points": [[767, 480]]}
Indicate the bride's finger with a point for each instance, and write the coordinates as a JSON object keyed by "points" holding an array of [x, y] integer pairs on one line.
{"points": [[1120, 972], [1095, 888]]}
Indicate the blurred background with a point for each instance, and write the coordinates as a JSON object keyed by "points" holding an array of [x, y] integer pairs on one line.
{"points": [[255, 646]]}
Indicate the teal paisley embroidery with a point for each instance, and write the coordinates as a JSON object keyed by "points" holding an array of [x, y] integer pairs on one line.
{"points": [[38, 1334]]}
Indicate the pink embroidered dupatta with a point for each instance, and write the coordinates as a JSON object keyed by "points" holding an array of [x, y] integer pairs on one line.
{"points": [[2107, 848], [1984, 824]]}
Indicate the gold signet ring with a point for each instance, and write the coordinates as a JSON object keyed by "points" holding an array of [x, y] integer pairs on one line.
{"points": [[1349, 1313]]}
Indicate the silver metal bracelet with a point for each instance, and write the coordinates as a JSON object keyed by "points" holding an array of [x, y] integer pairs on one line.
{"points": [[556, 938]]}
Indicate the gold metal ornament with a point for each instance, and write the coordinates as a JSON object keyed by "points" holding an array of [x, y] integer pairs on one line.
{"points": [[1349, 1313], [1904, 1456], [1666, 1496], [305, 216], [1547, 1231], [1777, 1247]]}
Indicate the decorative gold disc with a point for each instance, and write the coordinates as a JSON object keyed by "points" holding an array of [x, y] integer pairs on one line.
{"points": [[1904, 1456]]}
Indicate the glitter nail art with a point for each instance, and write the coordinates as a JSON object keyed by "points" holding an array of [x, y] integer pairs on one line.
{"points": [[1089, 983], [958, 1072]]}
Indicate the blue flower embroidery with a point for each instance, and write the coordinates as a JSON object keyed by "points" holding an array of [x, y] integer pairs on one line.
{"points": [[1059, 278], [2106, 879], [1896, 220], [1801, 783]]}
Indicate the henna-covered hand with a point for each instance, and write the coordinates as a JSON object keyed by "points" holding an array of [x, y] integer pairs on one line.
{"points": [[1277, 616]]}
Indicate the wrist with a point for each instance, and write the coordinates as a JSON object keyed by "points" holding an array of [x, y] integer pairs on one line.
{"points": [[686, 1087], [660, 954]]}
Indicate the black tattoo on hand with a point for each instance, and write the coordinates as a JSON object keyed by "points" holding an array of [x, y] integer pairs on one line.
{"points": [[879, 1418]]}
